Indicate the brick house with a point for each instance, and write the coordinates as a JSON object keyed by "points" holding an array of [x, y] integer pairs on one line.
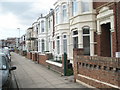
{"points": [[108, 29]]}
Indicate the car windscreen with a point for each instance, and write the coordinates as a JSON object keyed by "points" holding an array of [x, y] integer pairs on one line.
{"points": [[3, 63]]}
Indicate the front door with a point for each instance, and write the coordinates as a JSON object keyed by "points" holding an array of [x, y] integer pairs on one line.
{"points": [[105, 40]]}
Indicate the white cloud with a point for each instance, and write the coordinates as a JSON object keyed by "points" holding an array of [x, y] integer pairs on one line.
{"points": [[8, 26], [15, 15], [8, 20], [27, 1]]}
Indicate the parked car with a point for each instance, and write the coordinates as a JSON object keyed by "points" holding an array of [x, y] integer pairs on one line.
{"points": [[7, 53], [5, 73], [11, 49]]}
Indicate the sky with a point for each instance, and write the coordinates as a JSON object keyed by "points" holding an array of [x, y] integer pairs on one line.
{"points": [[21, 14]]}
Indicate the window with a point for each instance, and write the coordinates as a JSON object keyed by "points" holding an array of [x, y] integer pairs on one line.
{"points": [[75, 42], [57, 15], [42, 26], [75, 32], [58, 45], [43, 45], [64, 12], [74, 7], [85, 5], [36, 29], [75, 39], [64, 43], [86, 40], [49, 24]]}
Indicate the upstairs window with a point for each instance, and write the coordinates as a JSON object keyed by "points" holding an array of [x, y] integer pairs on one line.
{"points": [[85, 5], [42, 26], [57, 15], [74, 7], [64, 12]]}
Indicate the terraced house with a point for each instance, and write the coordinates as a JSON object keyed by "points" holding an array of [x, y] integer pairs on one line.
{"points": [[61, 37], [45, 33], [86, 24]]}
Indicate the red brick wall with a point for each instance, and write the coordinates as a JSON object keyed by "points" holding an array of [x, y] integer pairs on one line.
{"points": [[104, 69], [42, 59], [28, 55], [114, 43], [34, 57], [118, 24], [98, 4]]}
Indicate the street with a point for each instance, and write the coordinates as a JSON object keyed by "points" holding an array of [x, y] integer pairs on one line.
{"points": [[32, 75]]}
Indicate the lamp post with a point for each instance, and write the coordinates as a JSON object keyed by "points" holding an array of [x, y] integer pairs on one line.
{"points": [[19, 38], [19, 32]]}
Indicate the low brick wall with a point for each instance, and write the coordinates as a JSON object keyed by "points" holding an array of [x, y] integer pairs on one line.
{"points": [[29, 55], [100, 72], [34, 56], [55, 66]]}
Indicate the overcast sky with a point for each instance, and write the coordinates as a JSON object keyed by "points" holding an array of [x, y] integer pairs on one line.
{"points": [[20, 14]]}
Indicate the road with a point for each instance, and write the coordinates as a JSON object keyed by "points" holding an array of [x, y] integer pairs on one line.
{"points": [[32, 75]]}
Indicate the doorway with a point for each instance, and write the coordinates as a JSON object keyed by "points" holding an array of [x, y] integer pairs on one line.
{"points": [[106, 40]]}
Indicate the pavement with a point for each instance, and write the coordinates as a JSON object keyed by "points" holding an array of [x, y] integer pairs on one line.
{"points": [[32, 75]]}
